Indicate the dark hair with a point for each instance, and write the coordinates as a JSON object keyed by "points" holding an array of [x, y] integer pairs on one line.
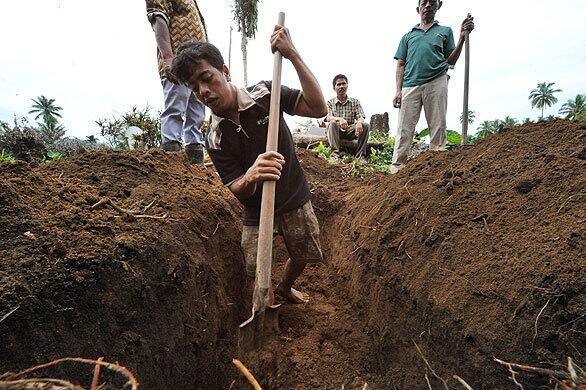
{"points": [[192, 52], [419, 2], [337, 77]]}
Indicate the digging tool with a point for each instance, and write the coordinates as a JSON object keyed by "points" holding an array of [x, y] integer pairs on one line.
{"points": [[466, 86], [265, 317]]}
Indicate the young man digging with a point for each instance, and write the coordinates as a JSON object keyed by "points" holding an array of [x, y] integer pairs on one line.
{"points": [[236, 143]]}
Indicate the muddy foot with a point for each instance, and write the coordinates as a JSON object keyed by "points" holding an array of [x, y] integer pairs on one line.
{"points": [[292, 296]]}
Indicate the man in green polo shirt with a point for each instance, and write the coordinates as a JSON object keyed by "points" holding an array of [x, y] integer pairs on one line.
{"points": [[423, 58]]}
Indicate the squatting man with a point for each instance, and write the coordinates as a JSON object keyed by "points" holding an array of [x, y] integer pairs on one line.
{"points": [[236, 143]]}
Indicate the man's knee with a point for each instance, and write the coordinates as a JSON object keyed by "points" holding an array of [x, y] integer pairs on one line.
{"points": [[333, 126], [301, 235], [249, 246], [365, 130]]}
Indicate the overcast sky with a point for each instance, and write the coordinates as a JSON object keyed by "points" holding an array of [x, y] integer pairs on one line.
{"points": [[98, 59]]}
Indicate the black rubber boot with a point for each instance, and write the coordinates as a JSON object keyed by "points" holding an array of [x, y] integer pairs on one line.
{"points": [[171, 146], [194, 153]]}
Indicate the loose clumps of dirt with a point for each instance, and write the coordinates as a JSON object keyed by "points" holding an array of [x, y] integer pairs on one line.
{"points": [[465, 255], [154, 294]]}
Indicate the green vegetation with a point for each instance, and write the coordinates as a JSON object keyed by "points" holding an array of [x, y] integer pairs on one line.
{"points": [[114, 129], [574, 109], [453, 137], [21, 140], [50, 129], [509, 122], [45, 107], [51, 156], [246, 18], [306, 124], [379, 160], [52, 132], [6, 157], [322, 150], [471, 117], [543, 96]]}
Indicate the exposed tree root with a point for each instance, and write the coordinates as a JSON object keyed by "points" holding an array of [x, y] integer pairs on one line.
{"points": [[463, 382], [430, 368], [13, 379], [130, 214], [247, 374]]}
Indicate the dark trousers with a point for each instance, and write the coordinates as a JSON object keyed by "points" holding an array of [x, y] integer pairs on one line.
{"points": [[335, 133]]}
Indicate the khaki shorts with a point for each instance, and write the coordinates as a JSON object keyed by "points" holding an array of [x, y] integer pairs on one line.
{"points": [[300, 231]]}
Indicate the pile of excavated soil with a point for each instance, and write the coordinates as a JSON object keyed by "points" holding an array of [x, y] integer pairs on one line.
{"points": [[157, 295], [471, 254], [468, 254]]}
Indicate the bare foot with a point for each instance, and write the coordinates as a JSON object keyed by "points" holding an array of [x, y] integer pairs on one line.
{"points": [[291, 296]]}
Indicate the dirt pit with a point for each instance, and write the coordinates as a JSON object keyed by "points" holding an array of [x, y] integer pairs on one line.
{"points": [[465, 255]]}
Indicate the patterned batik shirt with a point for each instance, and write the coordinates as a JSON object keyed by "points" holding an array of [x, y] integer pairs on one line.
{"points": [[183, 20], [351, 110]]}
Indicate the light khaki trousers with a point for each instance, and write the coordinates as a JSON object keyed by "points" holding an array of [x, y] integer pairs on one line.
{"points": [[433, 97]]}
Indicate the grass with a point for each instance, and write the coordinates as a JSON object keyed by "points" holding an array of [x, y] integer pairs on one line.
{"points": [[6, 157], [379, 160]]}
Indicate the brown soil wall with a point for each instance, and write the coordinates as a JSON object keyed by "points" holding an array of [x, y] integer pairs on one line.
{"points": [[159, 296], [458, 254], [461, 251]]}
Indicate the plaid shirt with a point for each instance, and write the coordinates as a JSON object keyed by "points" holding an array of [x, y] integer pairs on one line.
{"points": [[351, 110], [183, 19]]}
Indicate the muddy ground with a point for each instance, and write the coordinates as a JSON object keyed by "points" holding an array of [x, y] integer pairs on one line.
{"points": [[467, 255]]}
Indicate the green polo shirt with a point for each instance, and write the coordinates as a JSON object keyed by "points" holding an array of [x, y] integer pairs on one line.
{"points": [[425, 53]]}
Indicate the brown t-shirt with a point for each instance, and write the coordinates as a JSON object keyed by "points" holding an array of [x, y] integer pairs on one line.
{"points": [[183, 19], [234, 149]]}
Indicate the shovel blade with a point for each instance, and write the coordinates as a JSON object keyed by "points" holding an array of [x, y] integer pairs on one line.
{"points": [[263, 323]]}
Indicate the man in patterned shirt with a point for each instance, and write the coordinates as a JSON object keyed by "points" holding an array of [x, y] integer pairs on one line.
{"points": [[175, 22], [345, 119]]}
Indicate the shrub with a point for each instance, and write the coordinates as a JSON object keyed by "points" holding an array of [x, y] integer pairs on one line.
{"points": [[69, 146], [114, 129], [21, 140], [6, 157]]}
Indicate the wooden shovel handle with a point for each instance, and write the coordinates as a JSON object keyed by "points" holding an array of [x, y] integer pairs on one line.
{"points": [[267, 208], [466, 86]]}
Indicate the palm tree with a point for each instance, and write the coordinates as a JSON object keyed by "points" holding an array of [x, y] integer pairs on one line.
{"points": [[543, 96], [574, 109], [46, 108], [52, 131], [246, 17], [509, 122], [527, 120], [91, 139], [471, 117], [486, 128]]}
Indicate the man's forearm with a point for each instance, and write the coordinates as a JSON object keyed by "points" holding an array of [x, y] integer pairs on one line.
{"points": [[315, 104], [399, 75], [453, 58], [163, 38], [243, 188], [331, 118]]}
